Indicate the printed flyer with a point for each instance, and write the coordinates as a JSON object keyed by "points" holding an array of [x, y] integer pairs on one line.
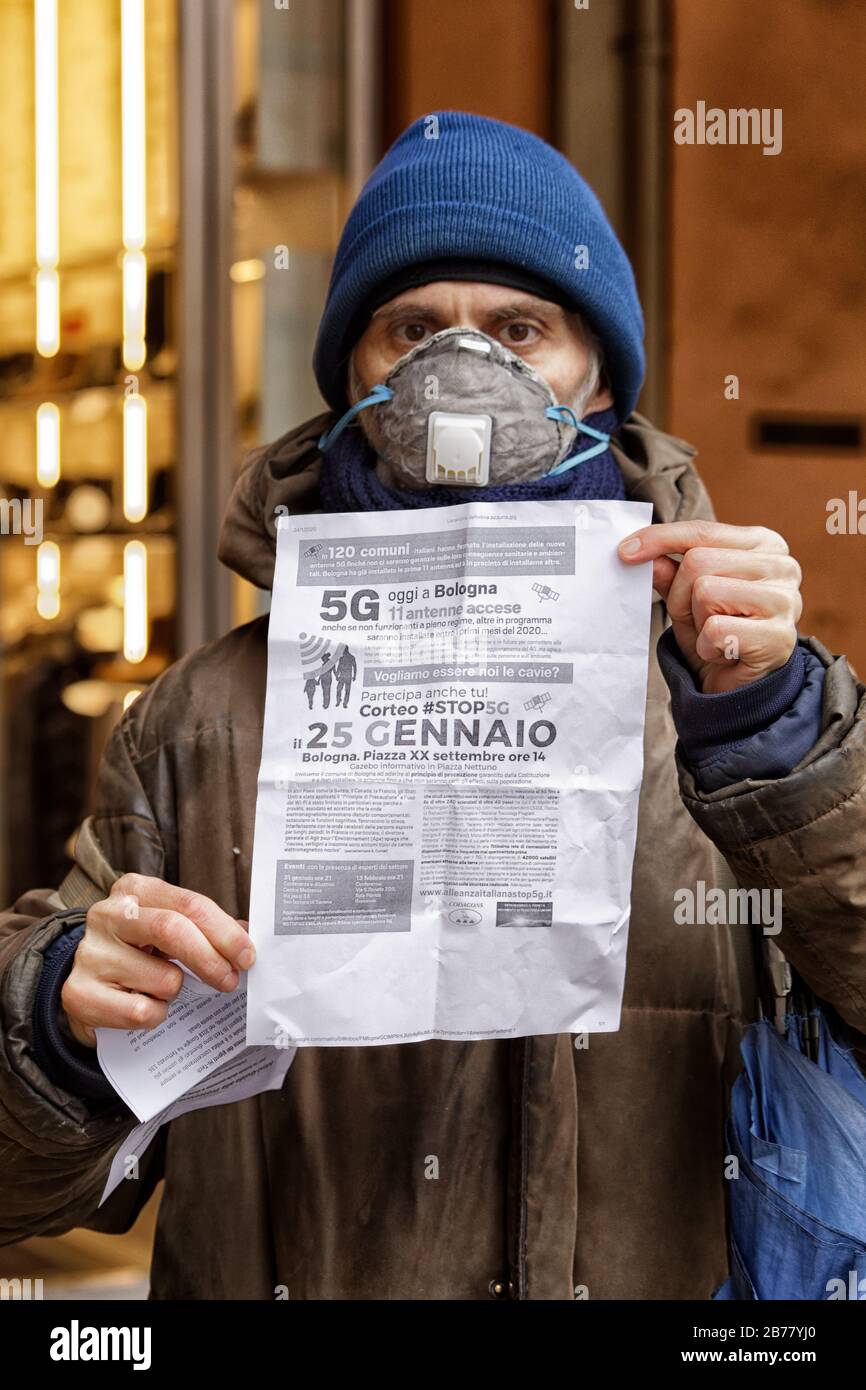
{"points": [[452, 757]]}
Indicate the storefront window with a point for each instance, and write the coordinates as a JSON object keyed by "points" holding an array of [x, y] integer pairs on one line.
{"points": [[88, 397]]}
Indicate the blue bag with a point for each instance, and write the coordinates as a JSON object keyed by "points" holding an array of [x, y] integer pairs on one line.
{"points": [[797, 1130]]}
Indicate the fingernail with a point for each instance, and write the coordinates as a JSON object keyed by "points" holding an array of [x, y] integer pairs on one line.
{"points": [[246, 958], [630, 547], [228, 982]]}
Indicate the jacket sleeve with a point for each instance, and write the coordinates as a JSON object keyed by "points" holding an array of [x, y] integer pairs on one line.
{"points": [[56, 1147], [804, 834], [762, 730]]}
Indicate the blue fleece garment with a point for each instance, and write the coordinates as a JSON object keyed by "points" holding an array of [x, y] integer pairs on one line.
{"points": [[760, 731], [69, 1065]]}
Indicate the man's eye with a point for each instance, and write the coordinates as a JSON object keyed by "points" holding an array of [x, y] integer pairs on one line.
{"points": [[412, 332], [519, 334]]}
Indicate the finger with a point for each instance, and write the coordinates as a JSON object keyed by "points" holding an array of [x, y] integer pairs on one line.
{"points": [[678, 537], [180, 939], [763, 644], [734, 564], [664, 574], [94, 1004], [112, 961], [716, 593], [225, 934]]}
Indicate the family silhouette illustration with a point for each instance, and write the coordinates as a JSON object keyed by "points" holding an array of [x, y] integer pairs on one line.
{"points": [[341, 666]]}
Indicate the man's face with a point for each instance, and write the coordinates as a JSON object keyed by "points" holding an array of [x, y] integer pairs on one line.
{"points": [[541, 332]]}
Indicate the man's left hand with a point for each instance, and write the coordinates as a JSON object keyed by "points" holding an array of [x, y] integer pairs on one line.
{"points": [[732, 592]]}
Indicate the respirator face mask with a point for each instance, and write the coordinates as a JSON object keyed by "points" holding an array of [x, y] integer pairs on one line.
{"points": [[463, 410]]}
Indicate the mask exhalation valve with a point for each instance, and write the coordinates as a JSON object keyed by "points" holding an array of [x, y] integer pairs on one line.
{"points": [[458, 449]]}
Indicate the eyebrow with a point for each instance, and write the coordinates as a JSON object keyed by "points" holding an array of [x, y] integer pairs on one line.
{"points": [[399, 311], [531, 304], [542, 308]]}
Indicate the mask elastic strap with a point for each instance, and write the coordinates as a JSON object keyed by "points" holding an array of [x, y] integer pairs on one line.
{"points": [[557, 412], [376, 396]]}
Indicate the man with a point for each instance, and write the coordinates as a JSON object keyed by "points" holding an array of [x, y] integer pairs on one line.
{"points": [[557, 1168], [346, 671]]}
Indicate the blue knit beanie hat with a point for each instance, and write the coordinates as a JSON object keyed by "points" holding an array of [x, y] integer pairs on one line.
{"points": [[464, 187]]}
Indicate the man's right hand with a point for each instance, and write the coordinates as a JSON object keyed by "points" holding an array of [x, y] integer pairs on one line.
{"points": [[122, 977]]}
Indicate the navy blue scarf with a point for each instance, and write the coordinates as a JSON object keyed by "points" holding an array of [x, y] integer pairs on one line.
{"points": [[349, 482]]}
